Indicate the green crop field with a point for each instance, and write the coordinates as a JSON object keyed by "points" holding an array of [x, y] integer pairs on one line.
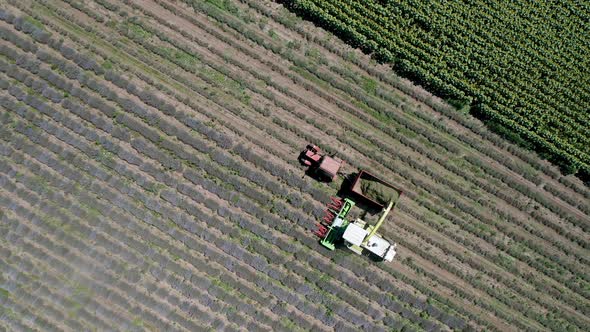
{"points": [[521, 66], [149, 180]]}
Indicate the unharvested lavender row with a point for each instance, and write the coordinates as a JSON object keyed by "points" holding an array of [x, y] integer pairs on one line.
{"points": [[71, 224], [23, 291], [14, 308], [62, 258], [154, 259], [141, 249], [53, 298]]}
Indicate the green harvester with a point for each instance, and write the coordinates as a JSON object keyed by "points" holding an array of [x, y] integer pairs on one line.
{"points": [[360, 236]]}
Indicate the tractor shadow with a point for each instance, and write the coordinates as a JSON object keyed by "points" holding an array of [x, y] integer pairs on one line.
{"points": [[311, 172]]}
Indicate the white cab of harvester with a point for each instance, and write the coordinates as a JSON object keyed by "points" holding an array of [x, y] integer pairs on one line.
{"points": [[355, 235]]}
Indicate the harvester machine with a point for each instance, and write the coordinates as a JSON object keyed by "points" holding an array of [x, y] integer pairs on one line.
{"points": [[360, 236], [323, 166]]}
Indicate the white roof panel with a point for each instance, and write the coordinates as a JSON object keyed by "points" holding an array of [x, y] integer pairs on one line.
{"points": [[354, 234]]}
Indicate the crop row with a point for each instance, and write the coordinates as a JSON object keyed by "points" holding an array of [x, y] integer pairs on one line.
{"points": [[510, 198], [15, 307], [16, 283], [105, 281], [114, 247], [165, 261]]}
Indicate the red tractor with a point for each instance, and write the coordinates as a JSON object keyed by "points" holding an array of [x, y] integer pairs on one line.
{"points": [[324, 167]]}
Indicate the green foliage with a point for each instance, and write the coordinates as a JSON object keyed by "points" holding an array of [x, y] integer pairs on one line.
{"points": [[8, 312], [273, 34], [134, 30], [4, 293], [104, 155], [224, 5], [34, 22], [181, 57], [290, 325], [107, 64], [370, 86], [222, 284], [137, 321]]}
